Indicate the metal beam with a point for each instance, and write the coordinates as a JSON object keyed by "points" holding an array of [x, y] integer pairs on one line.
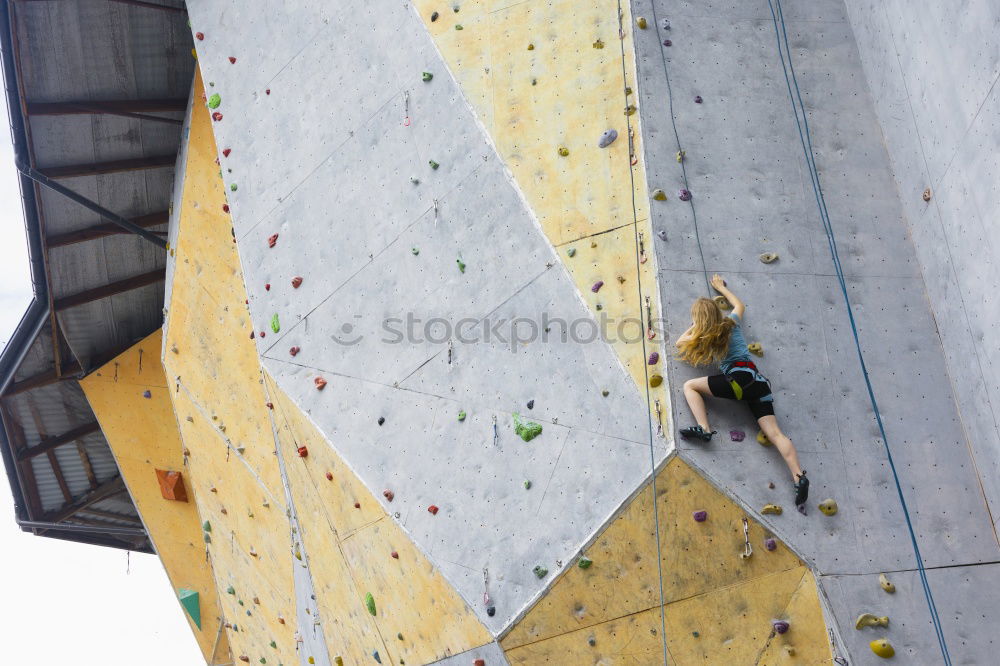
{"points": [[57, 472], [102, 230], [106, 290], [69, 371], [50, 443], [132, 520], [104, 491], [113, 166], [132, 108]]}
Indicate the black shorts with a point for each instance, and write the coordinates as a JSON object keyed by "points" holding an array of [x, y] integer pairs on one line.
{"points": [[750, 387]]}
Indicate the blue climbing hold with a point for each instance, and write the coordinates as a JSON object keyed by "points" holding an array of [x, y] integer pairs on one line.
{"points": [[608, 138]]}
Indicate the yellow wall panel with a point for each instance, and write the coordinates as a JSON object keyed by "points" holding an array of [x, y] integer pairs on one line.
{"points": [[143, 437]]}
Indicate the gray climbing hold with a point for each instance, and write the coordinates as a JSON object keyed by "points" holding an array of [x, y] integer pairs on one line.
{"points": [[769, 257], [665, 23], [540, 571], [571, 252], [531, 404], [434, 17], [381, 420], [662, 233], [376, 657], [607, 138]]}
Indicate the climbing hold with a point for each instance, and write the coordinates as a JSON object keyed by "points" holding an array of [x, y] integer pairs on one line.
{"points": [[275, 324], [770, 485], [828, 507], [171, 485], [736, 435], [655, 381], [531, 47], [659, 195], [869, 620], [722, 302], [434, 17], [540, 571], [886, 585], [927, 194], [216, 116], [605, 393], [394, 555], [654, 358], [571, 252], [630, 110], [214, 101], [427, 76], [697, 99], [189, 600], [320, 383], [531, 404], [598, 307], [564, 151], [662, 233], [293, 351], [329, 476], [230, 590], [591, 641], [245, 658], [584, 562], [680, 155], [370, 603], [789, 650], [388, 495], [773, 509], [607, 138], [267, 286], [225, 209], [769, 257], [381, 420], [147, 394], [479, 662], [232, 60], [597, 286], [598, 44], [206, 526], [762, 439], [770, 543], [461, 265], [458, 26], [415, 251], [272, 240], [641, 22], [434, 165], [882, 648], [432, 509], [491, 611], [684, 195], [199, 36], [461, 416], [253, 553], [526, 430], [296, 282], [207, 537], [780, 626], [700, 516], [665, 23], [755, 348], [667, 42], [267, 92], [302, 451], [357, 505]]}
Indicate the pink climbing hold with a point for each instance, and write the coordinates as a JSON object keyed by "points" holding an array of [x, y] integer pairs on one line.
{"points": [[320, 383], [268, 91], [272, 240], [780, 626], [199, 36], [263, 334], [296, 282], [388, 494], [737, 435], [226, 151], [216, 116], [433, 510], [667, 42], [700, 516], [329, 476], [770, 544], [654, 358], [394, 555], [293, 351], [232, 60], [684, 195], [270, 405], [597, 286]]}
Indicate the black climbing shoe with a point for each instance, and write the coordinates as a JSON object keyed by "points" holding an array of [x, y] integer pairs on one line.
{"points": [[696, 432], [801, 489]]}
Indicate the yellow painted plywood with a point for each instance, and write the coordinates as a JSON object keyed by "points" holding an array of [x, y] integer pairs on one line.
{"points": [[807, 637]]}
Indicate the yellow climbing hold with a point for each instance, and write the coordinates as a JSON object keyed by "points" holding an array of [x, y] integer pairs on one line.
{"points": [[630, 110], [531, 47], [564, 151], [338, 660], [655, 380], [659, 195], [641, 22], [762, 439], [771, 509], [886, 585], [882, 648], [722, 302], [681, 155], [828, 506], [869, 620], [598, 44], [755, 348], [789, 650], [769, 257]]}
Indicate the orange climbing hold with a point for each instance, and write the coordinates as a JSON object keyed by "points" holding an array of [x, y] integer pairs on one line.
{"points": [[303, 452], [171, 485], [433, 509], [296, 282], [320, 383], [272, 240]]}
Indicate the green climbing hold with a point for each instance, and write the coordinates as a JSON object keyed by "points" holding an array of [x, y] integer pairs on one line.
{"points": [[540, 571], [526, 430], [461, 265], [370, 603], [399, 636], [233, 188], [263, 661], [230, 590], [458, 26], [527, 485], [461, 416], [189, 600], [275, 324], [571, 252], [273, 644], [584, 563], [415, 251], [208, 538], [214, 101], [207, 526], [427, 76], [434, 165]]}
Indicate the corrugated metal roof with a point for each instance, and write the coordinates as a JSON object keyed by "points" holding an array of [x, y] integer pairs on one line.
{"points": [[80, 52]]}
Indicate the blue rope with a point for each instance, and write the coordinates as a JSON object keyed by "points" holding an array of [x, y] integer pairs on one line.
{"points": [[806, 139]]}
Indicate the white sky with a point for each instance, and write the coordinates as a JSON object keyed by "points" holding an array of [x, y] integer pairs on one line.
{"points": [[69, 603]]}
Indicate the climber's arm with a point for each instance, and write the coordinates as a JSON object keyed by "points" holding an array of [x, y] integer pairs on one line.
{"points": [[720, 286]]}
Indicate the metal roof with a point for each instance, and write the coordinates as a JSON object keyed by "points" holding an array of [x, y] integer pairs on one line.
{"points": [[96, 91]]}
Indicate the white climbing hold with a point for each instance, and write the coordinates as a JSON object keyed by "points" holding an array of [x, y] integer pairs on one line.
{"points": [[769, 257]]}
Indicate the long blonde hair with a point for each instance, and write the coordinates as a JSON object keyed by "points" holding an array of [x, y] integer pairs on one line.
{"points": [[708, 340]]}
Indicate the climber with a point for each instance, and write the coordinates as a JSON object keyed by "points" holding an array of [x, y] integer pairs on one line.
{"points": [[715, 338]]}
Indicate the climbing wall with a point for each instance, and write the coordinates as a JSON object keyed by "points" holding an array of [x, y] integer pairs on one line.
{"points": [[396, 205], [130, 398], [713, 84]]}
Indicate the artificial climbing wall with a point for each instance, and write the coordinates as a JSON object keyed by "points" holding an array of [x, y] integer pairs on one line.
{"points": [[129, 396], [712, 82], [933, 71]]}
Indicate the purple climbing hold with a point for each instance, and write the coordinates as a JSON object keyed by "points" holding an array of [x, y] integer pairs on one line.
{"points": [[802, 509], [737, 435], [780, 626], [700, 516], [147, 394], [654, 358], [608, 138], [667, 42], [684, 195], [597, 286], [770, 544], [697, 99]]}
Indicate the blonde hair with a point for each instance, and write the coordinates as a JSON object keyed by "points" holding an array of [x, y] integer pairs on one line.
{"points": [[708, 340]]}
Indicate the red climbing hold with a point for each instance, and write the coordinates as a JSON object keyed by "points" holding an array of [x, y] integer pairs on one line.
{"points": [[232, 60], [302, 451], [329, 476], [216, 116], [296, 282], [320, 383], [263, 334], [388, 494], [267, 286], [226, 151], [293, 351], [251, 335], [225, 208], [272, 240], [433, 509], [357, 505], [245, 658], [270, 405], [394, 555], [268, 91], [200, 36], [479, 662]]}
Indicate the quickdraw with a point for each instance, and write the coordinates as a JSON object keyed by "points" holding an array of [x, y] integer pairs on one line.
{"points": [[747, 548]]}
